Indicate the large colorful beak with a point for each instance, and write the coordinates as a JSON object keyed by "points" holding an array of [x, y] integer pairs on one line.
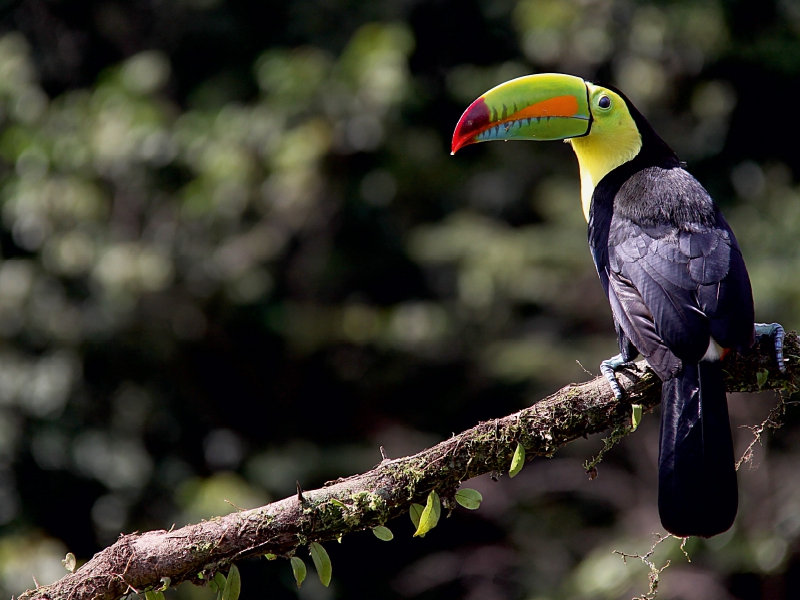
{"points": [[536, 107]]}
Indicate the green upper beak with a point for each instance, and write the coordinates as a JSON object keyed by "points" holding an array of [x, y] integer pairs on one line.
{"points": [[547, 106]]}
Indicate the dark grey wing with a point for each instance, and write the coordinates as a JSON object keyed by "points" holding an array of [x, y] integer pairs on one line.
{"points": [[693, 283], [651, 262]]}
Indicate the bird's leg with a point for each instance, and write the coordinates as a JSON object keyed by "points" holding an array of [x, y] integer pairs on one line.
{"points": [[608, 368], [776, 332]]}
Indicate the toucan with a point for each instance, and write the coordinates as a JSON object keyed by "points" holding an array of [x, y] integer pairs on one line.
{"points": [[669, 264]]}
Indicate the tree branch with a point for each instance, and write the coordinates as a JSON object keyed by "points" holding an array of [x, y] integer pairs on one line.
{"points": [[138, 562]]}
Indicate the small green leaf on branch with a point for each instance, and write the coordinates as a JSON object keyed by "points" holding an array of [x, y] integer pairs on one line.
{"points": [[415, 512], [233, 586], [469, 498], [430, 515], [636, 416], [218, 583], [298, 570], [761, 377], [322, 562], [518, 461], [383, 533]]}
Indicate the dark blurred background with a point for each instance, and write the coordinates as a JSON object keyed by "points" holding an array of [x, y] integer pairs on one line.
{"points": [[236, 253]]}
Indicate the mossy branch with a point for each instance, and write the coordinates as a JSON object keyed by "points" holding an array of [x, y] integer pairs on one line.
{"points": [[138, 562]]}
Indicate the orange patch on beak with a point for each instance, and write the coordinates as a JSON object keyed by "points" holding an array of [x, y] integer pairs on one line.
{"points": [[560, 106]]}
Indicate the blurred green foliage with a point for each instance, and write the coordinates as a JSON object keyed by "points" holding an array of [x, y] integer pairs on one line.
{"points": [[236, 254]]}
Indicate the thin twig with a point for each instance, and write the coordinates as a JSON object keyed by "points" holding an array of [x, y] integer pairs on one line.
{"points": [[774, 420], [655, 572], [585, 370]]}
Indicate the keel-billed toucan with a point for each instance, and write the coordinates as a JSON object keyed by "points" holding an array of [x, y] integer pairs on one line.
{"points": [[669, 264]]}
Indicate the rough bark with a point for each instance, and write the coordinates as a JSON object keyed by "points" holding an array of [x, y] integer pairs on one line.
{"points": [[137, 562]]}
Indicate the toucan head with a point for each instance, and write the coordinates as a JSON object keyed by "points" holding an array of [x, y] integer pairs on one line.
{"points": [[605, 130]]}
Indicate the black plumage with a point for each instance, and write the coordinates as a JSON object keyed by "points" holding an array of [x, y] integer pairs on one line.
{"points": [[675, 278]]}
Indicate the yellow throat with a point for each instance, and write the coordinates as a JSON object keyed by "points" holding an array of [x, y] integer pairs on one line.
{"points": [[613, 140]]}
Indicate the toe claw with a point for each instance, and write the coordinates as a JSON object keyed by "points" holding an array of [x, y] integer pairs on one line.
{"points": [[777, 333], [608, 368]]}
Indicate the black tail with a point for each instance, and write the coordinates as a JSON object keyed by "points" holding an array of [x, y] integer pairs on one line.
{"points": [[697, 492]]}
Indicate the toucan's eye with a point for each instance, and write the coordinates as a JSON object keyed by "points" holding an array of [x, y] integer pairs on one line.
{"points": [[604, 102]]}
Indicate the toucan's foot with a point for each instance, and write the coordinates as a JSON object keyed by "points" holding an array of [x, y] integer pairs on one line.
{"points": [[776, 332], [608, 368]]}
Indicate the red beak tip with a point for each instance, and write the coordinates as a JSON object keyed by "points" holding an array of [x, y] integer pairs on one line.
{"points": [[471, 123]]}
